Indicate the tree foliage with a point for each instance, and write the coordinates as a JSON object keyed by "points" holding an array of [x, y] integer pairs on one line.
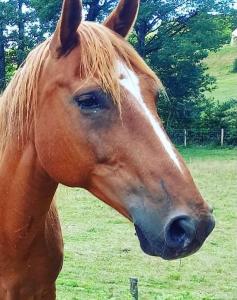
{"points": [[179, 63], [20, 31], [221, 115]]}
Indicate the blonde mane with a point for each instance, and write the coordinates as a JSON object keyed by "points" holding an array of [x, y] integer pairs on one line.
{"points": [[100, 49]]}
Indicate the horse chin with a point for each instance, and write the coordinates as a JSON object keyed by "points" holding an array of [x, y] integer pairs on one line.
{"points": [[159, 248], [146, 246]]}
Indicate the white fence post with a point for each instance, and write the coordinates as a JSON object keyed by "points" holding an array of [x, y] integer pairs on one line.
{"points": [[222, 137], [185, 138]]}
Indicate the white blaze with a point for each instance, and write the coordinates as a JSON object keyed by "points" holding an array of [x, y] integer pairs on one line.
{"points": [[130, 81]]}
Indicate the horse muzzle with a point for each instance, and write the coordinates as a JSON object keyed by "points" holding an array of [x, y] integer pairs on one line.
{"points": [[181, 236]]}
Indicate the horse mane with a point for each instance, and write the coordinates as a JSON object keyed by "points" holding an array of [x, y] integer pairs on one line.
{"points": [[100, 49]]}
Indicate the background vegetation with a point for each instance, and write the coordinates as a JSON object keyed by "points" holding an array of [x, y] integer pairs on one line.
{"points": [[223, 66], [181, 40]]}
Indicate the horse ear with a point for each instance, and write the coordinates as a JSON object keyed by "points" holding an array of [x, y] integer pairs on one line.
{"points": [[65, 37], [123, 17]]}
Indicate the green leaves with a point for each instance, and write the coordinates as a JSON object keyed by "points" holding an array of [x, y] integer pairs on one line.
{"points": [[174, 37]]}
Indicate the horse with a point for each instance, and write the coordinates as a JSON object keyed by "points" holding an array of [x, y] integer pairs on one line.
{"points": [[81, 111]]}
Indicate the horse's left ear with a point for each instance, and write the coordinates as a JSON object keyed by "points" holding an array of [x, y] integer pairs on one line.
{"points": [[123, 17], [65, 38]]}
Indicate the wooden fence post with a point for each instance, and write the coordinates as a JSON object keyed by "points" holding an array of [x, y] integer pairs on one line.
{"points": [[134, 288], [222, 137], [185, 138]]}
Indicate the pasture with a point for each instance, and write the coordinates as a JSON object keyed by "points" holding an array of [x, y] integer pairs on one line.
{"points": [[102, 252], [220, 65]]}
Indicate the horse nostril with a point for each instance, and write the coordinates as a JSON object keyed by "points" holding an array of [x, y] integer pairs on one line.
{"points": [[180, 232], [210, 209]]}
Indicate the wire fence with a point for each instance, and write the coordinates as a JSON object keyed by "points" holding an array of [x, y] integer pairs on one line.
{"points": [[189, 137]]}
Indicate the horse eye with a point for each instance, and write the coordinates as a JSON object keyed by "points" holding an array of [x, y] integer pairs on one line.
{"points": [[91, 102]]}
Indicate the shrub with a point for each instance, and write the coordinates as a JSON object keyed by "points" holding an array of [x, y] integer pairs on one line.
{"points": [[235, 66]]}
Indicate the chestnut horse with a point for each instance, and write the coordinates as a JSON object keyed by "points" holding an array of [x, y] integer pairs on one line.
{"points": [[81, 112]]}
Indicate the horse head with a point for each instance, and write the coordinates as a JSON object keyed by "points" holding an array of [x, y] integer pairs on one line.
{"points": [[97, 127]]}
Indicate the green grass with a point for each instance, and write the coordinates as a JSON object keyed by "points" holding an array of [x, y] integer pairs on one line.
{"points": [[101, 251], [220, 65]]}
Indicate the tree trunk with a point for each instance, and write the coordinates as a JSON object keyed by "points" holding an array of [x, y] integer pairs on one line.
{"points": [[141, 30], [21, 34], [2, 61], [94, 10]]}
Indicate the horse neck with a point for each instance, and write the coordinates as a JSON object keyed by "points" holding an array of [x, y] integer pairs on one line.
{"points": [[26, 194]]}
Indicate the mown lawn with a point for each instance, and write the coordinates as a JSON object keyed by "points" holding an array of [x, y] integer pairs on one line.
{"points": [[102, 252]]}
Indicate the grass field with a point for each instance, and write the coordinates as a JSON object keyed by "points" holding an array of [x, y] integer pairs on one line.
{"points": [[101, 251], [220, 65]]}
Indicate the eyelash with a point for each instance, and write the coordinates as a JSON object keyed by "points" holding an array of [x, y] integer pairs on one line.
{"points": [[91, 102]]}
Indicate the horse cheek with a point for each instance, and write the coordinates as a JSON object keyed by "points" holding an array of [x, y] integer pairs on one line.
{"points": [[61, 147]]}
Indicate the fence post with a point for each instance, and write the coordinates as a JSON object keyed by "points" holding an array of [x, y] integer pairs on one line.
{"points": [[222, 137], [185, 138], [134, 288]]}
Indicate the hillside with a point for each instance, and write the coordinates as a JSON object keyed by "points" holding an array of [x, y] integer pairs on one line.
{"points": [[220, 65]]}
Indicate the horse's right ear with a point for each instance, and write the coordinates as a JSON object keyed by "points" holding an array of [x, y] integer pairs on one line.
{"points": [[122, 19], [65, 37]]}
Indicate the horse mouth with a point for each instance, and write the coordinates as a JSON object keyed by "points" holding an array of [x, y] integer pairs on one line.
{"points": [[159, 248], [152, 248], [144, 243]]}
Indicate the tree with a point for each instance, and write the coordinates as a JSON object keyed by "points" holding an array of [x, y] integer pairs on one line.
{"points": [[19, 33], [2, 58], [49, 11], [179, 63], [233, 19], [6, 13], [221, 115], [158, 16], [174, 37]]}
